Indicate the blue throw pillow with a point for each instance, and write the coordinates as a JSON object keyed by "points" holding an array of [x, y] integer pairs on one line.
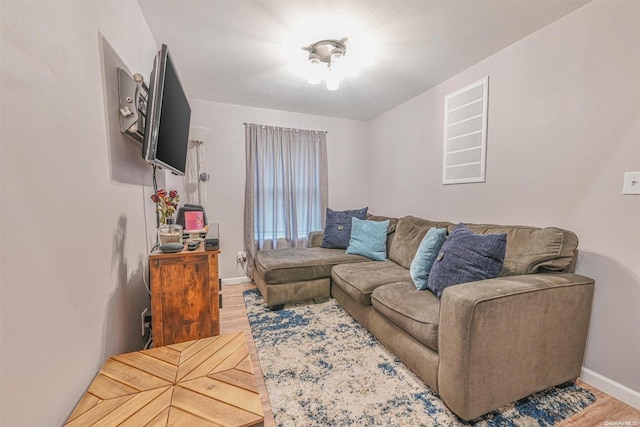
{"points": [[426, 255], [369, 238], [467, 257], [337, 231]]}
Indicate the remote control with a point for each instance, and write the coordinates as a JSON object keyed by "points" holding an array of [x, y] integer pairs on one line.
{"points": [[193, 245]]}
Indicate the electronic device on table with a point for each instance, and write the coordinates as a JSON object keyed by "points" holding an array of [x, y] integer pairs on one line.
{"points": [[193, 220], [171, 248], [192, 245], [212, 240], [195, 227]]}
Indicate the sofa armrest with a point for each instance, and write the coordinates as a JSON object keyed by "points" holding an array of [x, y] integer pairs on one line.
{"points": [[502, 339], [315, 239]]}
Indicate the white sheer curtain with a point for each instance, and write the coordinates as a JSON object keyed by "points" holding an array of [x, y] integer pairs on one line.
{"points": [[285, 189]]}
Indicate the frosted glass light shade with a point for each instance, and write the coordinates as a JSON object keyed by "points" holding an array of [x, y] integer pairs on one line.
{"points": [[336, 56], [315, 71], [333, 82]]}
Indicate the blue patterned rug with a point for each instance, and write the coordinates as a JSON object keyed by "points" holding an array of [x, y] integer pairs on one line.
{"points": [[322, 368]]}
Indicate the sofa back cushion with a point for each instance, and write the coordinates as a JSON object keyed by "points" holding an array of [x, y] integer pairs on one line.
{"points": [[409, 234], [315, 239], [391, 230], [532, 249]]}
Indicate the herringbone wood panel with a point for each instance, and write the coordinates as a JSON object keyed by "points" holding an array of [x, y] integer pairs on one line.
{"points": [[203, 382]]}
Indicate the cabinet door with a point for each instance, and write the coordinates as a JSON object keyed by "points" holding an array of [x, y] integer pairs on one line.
{"points": [[184, 299]]}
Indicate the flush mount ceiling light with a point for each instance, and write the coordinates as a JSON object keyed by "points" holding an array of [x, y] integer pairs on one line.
{"points": [[325, 58], [331, 48]]}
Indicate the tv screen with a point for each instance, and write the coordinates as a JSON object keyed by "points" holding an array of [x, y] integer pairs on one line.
{"points": [[166, 135]]}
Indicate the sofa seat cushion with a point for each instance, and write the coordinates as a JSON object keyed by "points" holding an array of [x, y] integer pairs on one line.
{"points": [[359, 280], [415, 312], [300, 264]]}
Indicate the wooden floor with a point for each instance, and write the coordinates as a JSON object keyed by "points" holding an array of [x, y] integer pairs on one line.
{"points": [[233, 317]]}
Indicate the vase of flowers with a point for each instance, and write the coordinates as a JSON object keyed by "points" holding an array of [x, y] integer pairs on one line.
{"points": [[166, 204]]}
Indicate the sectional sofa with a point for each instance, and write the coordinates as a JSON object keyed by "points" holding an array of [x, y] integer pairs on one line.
{"points": [[481, 345]]}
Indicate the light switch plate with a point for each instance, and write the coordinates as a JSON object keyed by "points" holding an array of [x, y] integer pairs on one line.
{"points": [[631, 183]]}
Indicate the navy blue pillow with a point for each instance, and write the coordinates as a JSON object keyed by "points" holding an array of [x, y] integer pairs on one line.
{"points": [[337, 231], [467, 257]]}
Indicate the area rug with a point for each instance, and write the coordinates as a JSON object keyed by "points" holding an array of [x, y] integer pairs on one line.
{"points": [[321, 368]]}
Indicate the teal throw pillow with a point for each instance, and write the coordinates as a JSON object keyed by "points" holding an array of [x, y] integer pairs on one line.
{"points": [[369, 238], [426, 255]]}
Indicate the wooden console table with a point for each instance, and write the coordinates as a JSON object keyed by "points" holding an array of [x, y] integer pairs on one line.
{"points": [[184, 295], [207, 382]]}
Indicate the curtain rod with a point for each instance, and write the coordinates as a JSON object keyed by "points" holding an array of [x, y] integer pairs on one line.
{"points": [[280, 127]]}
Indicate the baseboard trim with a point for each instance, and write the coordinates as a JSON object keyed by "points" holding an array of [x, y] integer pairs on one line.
{"points": [[611, 387], [236, 280]]}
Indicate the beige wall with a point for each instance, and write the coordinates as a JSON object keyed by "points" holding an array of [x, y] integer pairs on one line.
{"points": [[564, 126]]}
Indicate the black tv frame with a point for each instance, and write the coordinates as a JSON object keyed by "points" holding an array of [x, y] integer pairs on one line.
{"points": [[156, 113]]}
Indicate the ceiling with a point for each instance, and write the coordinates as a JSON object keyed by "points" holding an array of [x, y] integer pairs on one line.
{"points": [[229, 51]]}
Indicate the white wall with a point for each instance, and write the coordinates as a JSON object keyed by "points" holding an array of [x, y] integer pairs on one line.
{"points": [[347, 145], [74, 203], [564, 125]]}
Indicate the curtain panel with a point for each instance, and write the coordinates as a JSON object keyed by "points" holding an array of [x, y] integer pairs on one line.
{"points": [[285, 189]]}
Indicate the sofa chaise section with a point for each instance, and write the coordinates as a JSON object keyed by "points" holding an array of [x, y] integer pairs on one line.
{"points": [[297, 274]]}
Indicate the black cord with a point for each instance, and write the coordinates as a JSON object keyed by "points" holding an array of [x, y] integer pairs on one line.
{"points": [[155, 191]]}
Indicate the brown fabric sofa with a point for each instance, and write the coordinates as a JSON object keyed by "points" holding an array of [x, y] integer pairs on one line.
{"points": [[483, 344]]}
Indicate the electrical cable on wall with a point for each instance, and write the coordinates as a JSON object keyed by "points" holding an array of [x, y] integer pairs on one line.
{"points": [[196, 175]]}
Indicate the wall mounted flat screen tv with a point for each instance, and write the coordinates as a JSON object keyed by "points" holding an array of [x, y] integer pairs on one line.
{"points": [[166, 135]]}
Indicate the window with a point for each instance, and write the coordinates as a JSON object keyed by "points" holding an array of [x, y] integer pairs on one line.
{"points": [[288, 198]]}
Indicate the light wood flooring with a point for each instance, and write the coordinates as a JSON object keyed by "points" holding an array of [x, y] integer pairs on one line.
{"points": [[233, 317]]}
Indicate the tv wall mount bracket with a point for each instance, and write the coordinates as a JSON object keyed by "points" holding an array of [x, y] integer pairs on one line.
{"points": [[134, 96]]}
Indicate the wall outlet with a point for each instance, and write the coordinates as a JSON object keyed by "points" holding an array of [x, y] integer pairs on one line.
{"points": [[242, 257], [145, 320], [631, 183]]}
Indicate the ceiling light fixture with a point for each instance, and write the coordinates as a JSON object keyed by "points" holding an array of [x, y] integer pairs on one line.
{"points": [[325, 58]]}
